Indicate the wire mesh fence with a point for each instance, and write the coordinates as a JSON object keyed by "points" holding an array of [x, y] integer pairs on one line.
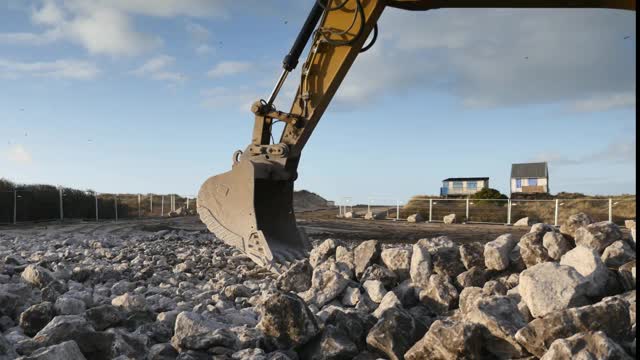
{"points": [[497, 211], [48, 203]]}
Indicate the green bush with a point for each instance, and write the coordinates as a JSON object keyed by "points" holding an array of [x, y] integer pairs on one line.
{"points": [[489, 193]]}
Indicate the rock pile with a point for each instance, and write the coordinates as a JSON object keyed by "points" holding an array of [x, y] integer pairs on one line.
{"points": [[185, 295]]}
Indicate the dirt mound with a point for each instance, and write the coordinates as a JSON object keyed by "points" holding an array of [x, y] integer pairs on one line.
{"points": [[304, 200]]}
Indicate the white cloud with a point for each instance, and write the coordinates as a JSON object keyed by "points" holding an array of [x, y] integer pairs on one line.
{"points": [[227, 68], [48, 14], [26, 38], [502, 57], [108, 32], [198, 32], [199, 36], [66, 68], [204, 49], [18, 154], [606, 102], [616, 151], [156, 69]]}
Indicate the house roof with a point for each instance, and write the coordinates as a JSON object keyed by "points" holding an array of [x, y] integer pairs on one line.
{"points": [[530, 170], [466, 179]]}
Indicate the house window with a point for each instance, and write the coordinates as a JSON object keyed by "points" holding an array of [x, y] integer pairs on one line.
{"points": [[457, 185], [532, 182], [518, 183], [472, 185]]}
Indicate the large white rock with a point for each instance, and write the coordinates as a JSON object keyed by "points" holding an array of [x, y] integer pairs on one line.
{"points": [[351, 296], [192, 324], [322, 252], [631, 225], [365, 254], [598, 235], [549, 287], [130, 302], [421, 264], [496, 252], [525, 221], [415, 218], [449, 219], [326, 285], [397, 260], [556, 244], [37, 276], [587, 263], [67, 350], [573, 223], [379, 215], [618, 254], [390, 300], [500, 318], [440, 295], [345, 256], [589, 345], [375, 290]]}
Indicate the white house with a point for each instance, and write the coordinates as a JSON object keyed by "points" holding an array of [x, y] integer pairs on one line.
{"points": [[463, 186], [530, 178]]}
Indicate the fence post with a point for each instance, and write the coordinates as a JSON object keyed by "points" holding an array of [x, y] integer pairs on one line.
{"points": [[139, 205], [151, 204], [61, 207], [187, 203], [467, 213], [96, 196], [397, 210], [115, 204], [430, 210], [15, 206], [509, 212], [555, 219], [162, 206], [610, 210]]}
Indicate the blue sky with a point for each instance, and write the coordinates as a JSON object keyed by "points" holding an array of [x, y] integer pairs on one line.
{"points": [[124, 96]]}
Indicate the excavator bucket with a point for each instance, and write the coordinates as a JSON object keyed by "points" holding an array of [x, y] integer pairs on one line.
{"points": [[254, 214]]}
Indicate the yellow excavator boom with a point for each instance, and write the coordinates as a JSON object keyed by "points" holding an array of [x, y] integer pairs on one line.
{"points": [[251, 206]]}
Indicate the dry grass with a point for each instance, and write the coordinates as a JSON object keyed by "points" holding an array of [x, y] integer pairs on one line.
{"points": [[624, 207], [42, 202]]}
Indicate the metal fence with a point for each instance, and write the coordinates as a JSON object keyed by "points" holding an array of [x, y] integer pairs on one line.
{"points": [[495, 211], [27, 205]]}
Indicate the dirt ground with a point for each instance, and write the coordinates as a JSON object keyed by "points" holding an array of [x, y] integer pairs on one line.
{"points": [[318, 225]]}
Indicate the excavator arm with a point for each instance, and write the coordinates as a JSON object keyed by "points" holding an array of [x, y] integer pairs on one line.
{"points": [[251, 206]]}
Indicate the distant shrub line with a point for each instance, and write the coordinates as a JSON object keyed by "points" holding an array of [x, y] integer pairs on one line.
{"points": [[42, 202]]}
